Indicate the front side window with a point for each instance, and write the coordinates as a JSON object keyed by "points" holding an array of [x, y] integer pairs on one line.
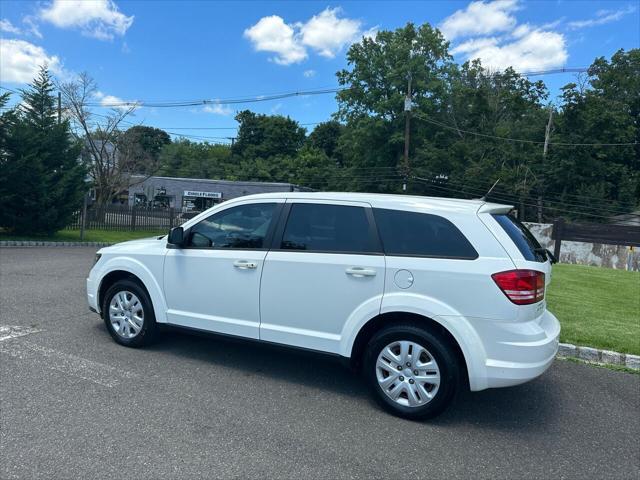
{"points": [[421, 235], [327, 228], [242, 227]]}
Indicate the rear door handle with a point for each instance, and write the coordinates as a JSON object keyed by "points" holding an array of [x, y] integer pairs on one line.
{"points": [[245, 265], [360, 272]]}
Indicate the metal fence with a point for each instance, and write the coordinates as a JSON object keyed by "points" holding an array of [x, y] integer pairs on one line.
{"points": [[128, 218]]}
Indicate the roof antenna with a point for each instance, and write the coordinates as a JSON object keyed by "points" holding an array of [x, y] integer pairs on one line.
{"points": [[484, 197]]}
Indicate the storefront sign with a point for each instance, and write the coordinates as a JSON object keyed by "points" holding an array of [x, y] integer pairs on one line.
{"points": [[191, 193]]}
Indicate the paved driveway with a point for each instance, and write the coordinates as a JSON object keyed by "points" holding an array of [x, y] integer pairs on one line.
{"points": [[75, 404]]}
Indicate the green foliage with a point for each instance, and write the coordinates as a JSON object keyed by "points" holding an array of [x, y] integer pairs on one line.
{"points": [[264, 136], [325, 137], [142, 145], [196, 160], [41, 179], [606, 110]]}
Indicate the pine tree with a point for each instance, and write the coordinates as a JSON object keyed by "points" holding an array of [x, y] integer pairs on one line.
{"points": [[42, 182]]}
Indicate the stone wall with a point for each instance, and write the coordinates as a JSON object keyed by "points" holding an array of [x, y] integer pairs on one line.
{"points": [[597, 254]]}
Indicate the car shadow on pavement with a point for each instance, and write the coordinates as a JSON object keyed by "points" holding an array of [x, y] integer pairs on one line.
{"points": [[527, 407]]}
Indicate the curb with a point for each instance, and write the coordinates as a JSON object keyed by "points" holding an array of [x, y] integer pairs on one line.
{"points": [[607, 357], [30, 243]]}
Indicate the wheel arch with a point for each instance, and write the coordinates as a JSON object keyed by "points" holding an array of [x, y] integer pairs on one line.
{"points": [[119, 269], [112, 277], [375, 324]]}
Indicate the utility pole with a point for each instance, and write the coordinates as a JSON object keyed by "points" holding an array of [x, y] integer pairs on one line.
{"points": [[59, 108], [407, 132], [547, 134]]}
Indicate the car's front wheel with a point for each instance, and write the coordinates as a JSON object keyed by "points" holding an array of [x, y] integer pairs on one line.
{"points": [[128, 314], [412, 372]]}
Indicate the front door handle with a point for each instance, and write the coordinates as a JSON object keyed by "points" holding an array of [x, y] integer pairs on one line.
{"points": [[245, 265], [360, 272]]}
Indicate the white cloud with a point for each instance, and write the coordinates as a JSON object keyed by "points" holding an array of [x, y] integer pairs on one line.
{"points": [[328, 34], [602, 17], [8, 27], [524, 47], [31, 26], [480, 18], [217, 109], [111, 101], [474, 45], [271, 34], [21, 60], [325, 33], [536, 50], [309, 73], [100, 19]]}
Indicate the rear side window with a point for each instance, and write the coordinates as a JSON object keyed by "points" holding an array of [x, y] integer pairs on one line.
{"points": [[421, 235], [327, 228], [522, 237]]}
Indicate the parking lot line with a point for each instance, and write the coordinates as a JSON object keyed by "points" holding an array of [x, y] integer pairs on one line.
{"points": [[71, 365]]}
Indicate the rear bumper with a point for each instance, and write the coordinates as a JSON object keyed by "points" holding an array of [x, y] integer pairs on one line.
{"points": [[516, 352]]}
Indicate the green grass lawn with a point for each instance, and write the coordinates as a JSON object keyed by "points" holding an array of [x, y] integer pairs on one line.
{"points": [[89, 236], [597, 307]]}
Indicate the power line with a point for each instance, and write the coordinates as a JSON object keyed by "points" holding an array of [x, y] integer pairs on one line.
{"points": [[501, 198], [480, 190], [519, 140], [229, 101], [557, 70]]}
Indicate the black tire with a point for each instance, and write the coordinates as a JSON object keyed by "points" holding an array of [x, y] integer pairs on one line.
{"points": [[441, 351], [149, 330]]}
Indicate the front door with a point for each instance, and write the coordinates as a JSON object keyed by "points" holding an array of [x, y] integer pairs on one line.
{"points": [[213, 282], [325, 267]]}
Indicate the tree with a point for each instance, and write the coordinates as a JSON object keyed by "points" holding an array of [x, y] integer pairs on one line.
{"points": [[264, 136], [42, 180], [595, 181], [184, 158], [325, 137], [141, 146], [100, 136], [374, 97]]}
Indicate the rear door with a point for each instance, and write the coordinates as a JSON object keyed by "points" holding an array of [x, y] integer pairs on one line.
{"points": [[326, 265]]}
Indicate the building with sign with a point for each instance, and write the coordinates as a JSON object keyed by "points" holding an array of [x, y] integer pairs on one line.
{"points": [[195, 194]]}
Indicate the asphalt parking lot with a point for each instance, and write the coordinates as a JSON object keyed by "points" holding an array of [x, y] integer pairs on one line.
{"points": [[76, 405]]}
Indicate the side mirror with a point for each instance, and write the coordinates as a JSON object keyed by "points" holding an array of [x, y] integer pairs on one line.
{"points": [[176, 236]]}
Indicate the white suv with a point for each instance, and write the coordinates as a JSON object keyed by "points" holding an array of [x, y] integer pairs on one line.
{"points": [[423, 295]]}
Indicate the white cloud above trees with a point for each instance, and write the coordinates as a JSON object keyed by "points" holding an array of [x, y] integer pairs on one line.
{"points": [[20, 61], [326, 34], [491, 32], [99, 19]]}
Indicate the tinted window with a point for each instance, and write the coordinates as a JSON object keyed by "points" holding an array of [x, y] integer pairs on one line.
{"points": [[245, 226], [327, 228], [421, 235], [522, 237]]}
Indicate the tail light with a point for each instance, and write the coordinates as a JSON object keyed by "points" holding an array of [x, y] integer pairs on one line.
{"points": [[522, 287]]}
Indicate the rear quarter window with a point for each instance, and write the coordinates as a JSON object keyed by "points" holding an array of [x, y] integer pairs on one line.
{"points": [[522, 237], [421, 235]]}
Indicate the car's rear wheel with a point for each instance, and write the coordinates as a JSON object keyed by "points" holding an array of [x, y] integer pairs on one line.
{"points": [[128, 314], [412, 372]]}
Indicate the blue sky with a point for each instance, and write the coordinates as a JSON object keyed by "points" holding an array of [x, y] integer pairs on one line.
{"points": [[168, 50]]}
